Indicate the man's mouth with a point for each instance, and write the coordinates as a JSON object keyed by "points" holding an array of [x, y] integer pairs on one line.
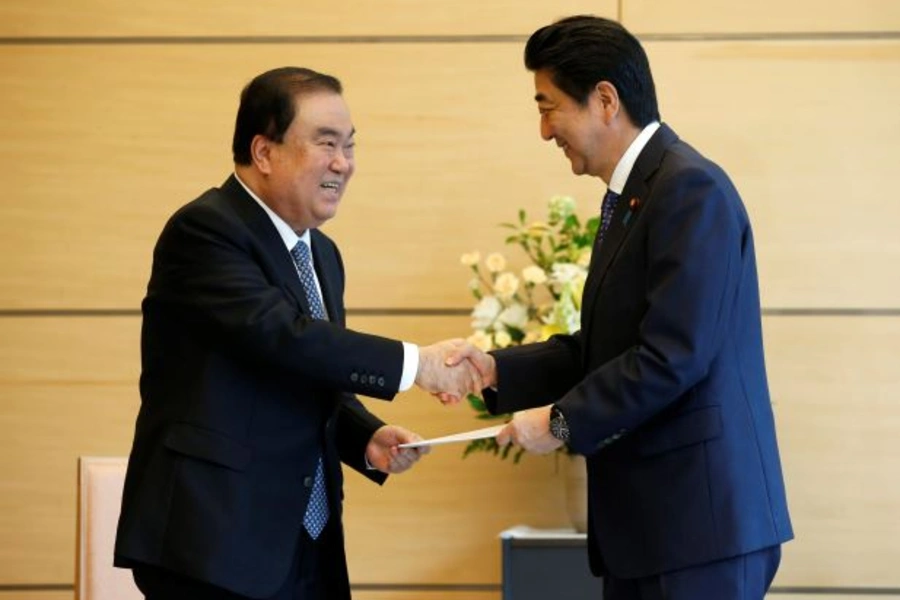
{"points": [[331, 185]]}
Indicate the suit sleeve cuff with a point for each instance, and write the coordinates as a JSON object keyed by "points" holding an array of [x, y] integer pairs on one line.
{"points": [[410, 366]]}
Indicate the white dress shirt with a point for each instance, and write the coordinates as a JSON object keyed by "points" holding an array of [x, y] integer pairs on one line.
{"points": [[626, 163]]}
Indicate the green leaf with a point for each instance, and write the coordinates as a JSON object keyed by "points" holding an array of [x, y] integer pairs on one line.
{"points": [[518, 456], [476, 403], [489, 417]]}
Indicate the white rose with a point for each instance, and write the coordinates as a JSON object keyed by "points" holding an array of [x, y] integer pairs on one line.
{"points": [[561, 207], [480, 340], [485, 312], [506, 285], [534, 275], [470, 259], [495, 262], [564, 316], [514, 316], [502, 339], [565, 272]]}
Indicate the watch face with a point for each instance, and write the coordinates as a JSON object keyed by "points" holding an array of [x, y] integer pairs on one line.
{"points": [[558, 426]]}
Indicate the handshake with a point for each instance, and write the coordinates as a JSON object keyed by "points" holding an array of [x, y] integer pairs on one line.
{"points": [[454, 368]]}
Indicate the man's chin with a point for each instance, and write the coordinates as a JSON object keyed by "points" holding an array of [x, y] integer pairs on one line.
{"points": [[327, 211], [577, 168]]}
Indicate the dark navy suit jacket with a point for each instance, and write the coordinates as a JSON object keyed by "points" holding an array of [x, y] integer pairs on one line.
{"points": [[664, 387], [241, 392]]}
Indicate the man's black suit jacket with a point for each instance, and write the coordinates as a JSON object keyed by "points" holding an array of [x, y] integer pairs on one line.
{"points": [[241, 392], [664, 387]]}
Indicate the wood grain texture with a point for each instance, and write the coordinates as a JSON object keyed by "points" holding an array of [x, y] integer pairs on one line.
{"points": [[813, 182], [760, 16], [834, 387], [98, 18], [36, 595], [440, 521], [451, 151], [69, 388]]}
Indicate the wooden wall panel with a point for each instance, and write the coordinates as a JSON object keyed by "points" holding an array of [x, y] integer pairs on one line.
{"points": [[760, 16], [36, 595], [811, 168], [442, 519], [68, 388], [145, 129], [450, 151], [834, 387], [19, 18]]}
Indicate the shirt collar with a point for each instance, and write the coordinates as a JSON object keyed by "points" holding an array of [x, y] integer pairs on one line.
{"points": [[626, 163], [288, 235]]}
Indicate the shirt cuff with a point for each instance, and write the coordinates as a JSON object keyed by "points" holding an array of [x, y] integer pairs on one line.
{"points": [[369, 466], [410, 366]]}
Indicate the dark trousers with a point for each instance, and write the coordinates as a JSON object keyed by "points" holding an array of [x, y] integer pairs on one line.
{"points": [[745, 577], [310, 577]]}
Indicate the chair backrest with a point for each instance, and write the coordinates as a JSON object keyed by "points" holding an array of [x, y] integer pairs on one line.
{"points": [[100, 481]]}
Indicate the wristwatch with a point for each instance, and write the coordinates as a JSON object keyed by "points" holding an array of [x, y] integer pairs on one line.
{"points": [[559, 428]]}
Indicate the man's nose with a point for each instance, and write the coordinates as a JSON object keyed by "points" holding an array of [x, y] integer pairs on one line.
{"points": [[341, 162], [546, 130]]}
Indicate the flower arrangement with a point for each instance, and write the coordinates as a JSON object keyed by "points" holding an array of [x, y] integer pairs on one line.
{"points": [[544, 299]]}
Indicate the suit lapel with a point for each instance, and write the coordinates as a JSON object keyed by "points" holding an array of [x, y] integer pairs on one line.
{"points": [[259, 223], [633, 200]]}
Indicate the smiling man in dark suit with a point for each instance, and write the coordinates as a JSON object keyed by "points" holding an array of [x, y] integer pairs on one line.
{"points": [[234, 481], [664, 388]]}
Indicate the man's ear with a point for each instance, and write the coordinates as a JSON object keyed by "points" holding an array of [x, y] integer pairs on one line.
{"points": [[261, 153], [607, 97]]}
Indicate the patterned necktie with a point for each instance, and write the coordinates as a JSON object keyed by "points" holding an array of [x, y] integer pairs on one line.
{"points": [[317, 510], [303, 262], [606, 213]]}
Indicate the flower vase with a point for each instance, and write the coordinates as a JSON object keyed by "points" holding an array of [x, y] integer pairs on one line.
{"points": [[576, 491]]}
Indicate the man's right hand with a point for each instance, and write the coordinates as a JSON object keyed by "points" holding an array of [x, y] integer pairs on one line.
{"points": [[450, 380]]}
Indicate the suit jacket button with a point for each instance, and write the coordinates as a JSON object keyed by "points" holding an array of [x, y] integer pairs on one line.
{"points": [[372, 379], [354, 377], [308, 481], [381, 381]]}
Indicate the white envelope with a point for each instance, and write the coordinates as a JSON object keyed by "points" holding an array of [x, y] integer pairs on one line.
{"points": [[477, 434]]}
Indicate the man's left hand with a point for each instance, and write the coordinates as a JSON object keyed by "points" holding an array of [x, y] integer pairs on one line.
{"points": [[383, 454], [530, 429]]}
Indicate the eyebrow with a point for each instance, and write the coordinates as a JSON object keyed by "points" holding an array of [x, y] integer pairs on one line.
{"points": [[540, 97], [322, 131]]}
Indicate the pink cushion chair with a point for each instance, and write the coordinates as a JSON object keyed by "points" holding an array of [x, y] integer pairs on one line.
{"points": [[100, 481]]}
